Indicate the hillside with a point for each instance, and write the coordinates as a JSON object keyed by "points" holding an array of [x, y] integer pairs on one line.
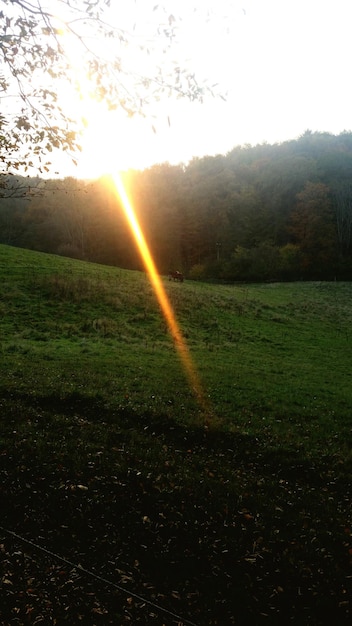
{"points": [[154, 507]]}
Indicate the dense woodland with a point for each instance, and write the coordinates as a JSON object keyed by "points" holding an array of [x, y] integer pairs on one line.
{"points": [[264, 212]]}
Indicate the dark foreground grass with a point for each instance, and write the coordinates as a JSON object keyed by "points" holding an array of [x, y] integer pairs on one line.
{"points": [[237, 513]]}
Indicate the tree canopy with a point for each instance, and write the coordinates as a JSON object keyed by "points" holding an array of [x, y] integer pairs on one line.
{"points": [[265, 212]]}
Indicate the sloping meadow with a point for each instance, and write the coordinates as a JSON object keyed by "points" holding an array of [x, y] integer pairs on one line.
{"points": [[127, 496]]}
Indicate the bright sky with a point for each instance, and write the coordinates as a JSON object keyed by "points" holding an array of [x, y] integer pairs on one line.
{"points": [[284, 64]]}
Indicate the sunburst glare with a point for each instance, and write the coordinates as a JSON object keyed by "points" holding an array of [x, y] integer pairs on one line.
{"points": [[160, 293], [94, 113]]}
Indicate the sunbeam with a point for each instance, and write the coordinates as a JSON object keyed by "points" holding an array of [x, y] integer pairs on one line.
{"points": [[163, 300], [93, 111]]}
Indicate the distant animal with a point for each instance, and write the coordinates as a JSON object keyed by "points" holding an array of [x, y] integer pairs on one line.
{"points": [[177, 276]]}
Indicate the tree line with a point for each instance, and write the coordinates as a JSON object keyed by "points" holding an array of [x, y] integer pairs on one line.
{"points": [[265, 212]]}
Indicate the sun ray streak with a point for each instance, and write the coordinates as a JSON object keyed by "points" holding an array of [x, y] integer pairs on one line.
{"points": [[163, 300], [90, 109]]}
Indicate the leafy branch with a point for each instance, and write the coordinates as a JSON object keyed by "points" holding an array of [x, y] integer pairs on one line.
{"points": [[35, 50]]}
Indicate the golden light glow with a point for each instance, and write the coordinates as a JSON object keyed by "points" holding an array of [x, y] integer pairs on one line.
{"points": [[102, 129], [159, 290], [98, 142]]}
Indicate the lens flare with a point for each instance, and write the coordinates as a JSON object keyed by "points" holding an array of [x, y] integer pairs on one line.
{"points": [[159, 290], [94, 111]]}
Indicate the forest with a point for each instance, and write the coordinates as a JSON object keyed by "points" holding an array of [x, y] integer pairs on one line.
{"points": [[268, 212]]}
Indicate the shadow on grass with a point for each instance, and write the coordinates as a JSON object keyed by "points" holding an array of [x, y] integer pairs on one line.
{"points": [[220, 528]]}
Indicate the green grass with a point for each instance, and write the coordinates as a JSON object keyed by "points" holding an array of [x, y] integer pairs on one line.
{"points": [[278, 354], [254, 486]]}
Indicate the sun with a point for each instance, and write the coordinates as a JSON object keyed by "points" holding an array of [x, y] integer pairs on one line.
{"points": [[111, 141], [167, 129], [101, 143]]}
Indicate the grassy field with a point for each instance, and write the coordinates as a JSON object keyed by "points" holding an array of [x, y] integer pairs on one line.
{"points": [[166, 509]]}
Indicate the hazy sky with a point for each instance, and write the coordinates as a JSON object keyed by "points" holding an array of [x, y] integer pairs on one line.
{"points": [[284, 64]]}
